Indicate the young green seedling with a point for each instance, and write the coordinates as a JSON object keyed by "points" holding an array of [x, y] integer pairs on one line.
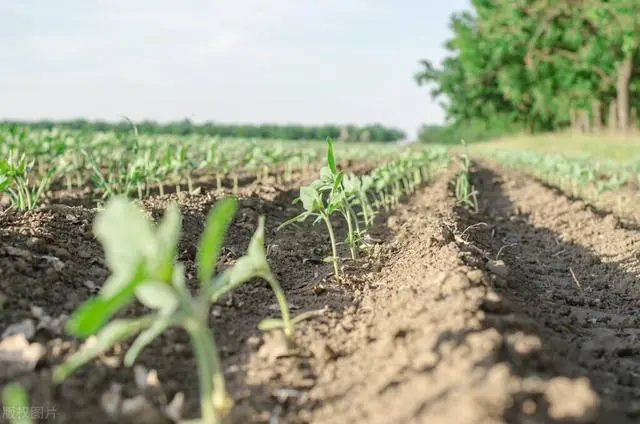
{"points": [[144, 266], [317, 205], [464, 190], [16, 179]]}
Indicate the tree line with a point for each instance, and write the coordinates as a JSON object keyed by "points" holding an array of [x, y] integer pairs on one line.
{"points": [[536, 66], [373, 133]]}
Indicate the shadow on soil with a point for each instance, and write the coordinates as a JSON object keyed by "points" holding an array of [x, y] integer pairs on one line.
{"points": [[589, 331]]}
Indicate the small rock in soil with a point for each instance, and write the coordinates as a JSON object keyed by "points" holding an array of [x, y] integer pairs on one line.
{"points": [[572, 400], [18, 356], [493, 304], [498, 267], [475, 276], [25, 327]]}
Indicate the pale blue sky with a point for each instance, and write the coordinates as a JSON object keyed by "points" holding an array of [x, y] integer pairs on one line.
{"points": [[306, 61]]}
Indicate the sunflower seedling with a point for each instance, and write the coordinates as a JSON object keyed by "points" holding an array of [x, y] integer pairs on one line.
{"points": [[317, 205], [143, 263]]}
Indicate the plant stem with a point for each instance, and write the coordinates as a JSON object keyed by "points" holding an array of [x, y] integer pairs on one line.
{"points": [[351, 235], [212, 391], [282, 302], [327, 222], [364, 206]]}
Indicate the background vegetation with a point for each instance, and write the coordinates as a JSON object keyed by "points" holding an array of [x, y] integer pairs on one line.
{"points": [[537, 66], [374, 132]]}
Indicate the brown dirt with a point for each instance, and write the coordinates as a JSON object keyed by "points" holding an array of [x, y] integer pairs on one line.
{"points": [[427, 329]]}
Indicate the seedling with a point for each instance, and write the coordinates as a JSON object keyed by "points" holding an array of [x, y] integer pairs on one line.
{"points": [[16, 180], [322, 207], [144, 267], [464, 190]]}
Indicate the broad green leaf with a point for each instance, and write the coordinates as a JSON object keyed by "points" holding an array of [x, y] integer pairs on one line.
{"points": [[146, 337], [326, 179], [126, 234], [157, 295], [4, 182], [331, 160], [209, 250], [114, 332], [310, 198]]}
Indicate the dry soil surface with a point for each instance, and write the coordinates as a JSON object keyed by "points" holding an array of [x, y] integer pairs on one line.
{"points": [[522, 313]]}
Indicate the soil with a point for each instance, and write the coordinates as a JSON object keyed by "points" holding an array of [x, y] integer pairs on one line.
{"points": [[521, 313]]}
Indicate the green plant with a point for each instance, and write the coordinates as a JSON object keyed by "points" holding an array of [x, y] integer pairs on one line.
{"points": [[464, 190], [317, 205], [144, 266], [16, 404], [17, 181]]}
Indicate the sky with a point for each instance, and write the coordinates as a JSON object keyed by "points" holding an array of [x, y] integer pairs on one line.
{"points": [[249, 61]]}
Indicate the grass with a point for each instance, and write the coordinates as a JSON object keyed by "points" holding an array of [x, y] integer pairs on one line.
{"points": [[618, 147]]}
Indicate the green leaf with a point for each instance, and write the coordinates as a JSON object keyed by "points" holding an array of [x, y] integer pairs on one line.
{"points": [[305, 315], [16, 404], [92, 314], [112, 333], [299, 218], [326, 179], [337, 183], [145, 338], [166, 241], [331, 160], [252, 265], [4, 182], [157, 295], [270, 324], [256, 246], [243, 270], [178, 280], [217, 224], [126, 235], [311, 199]]}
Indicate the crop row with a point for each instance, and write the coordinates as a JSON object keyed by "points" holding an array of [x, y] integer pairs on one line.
{"points": [[142, 258], [109, 164], [576, 173]]}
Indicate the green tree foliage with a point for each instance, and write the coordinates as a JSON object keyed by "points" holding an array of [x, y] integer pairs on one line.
{"points": [[374, 132], [537, 65]]}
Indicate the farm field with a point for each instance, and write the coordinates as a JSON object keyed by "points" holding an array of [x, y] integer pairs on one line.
{"points": [[618, 147], [501, 287]]}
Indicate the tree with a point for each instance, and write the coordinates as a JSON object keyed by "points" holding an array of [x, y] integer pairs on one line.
{"points": [[539, 64]]}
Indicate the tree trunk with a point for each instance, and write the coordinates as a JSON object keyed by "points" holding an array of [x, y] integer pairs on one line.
{"points": [[613, 116], [584, 121], [625, 69], [597, 115], [633, 120], [574, 121]]}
